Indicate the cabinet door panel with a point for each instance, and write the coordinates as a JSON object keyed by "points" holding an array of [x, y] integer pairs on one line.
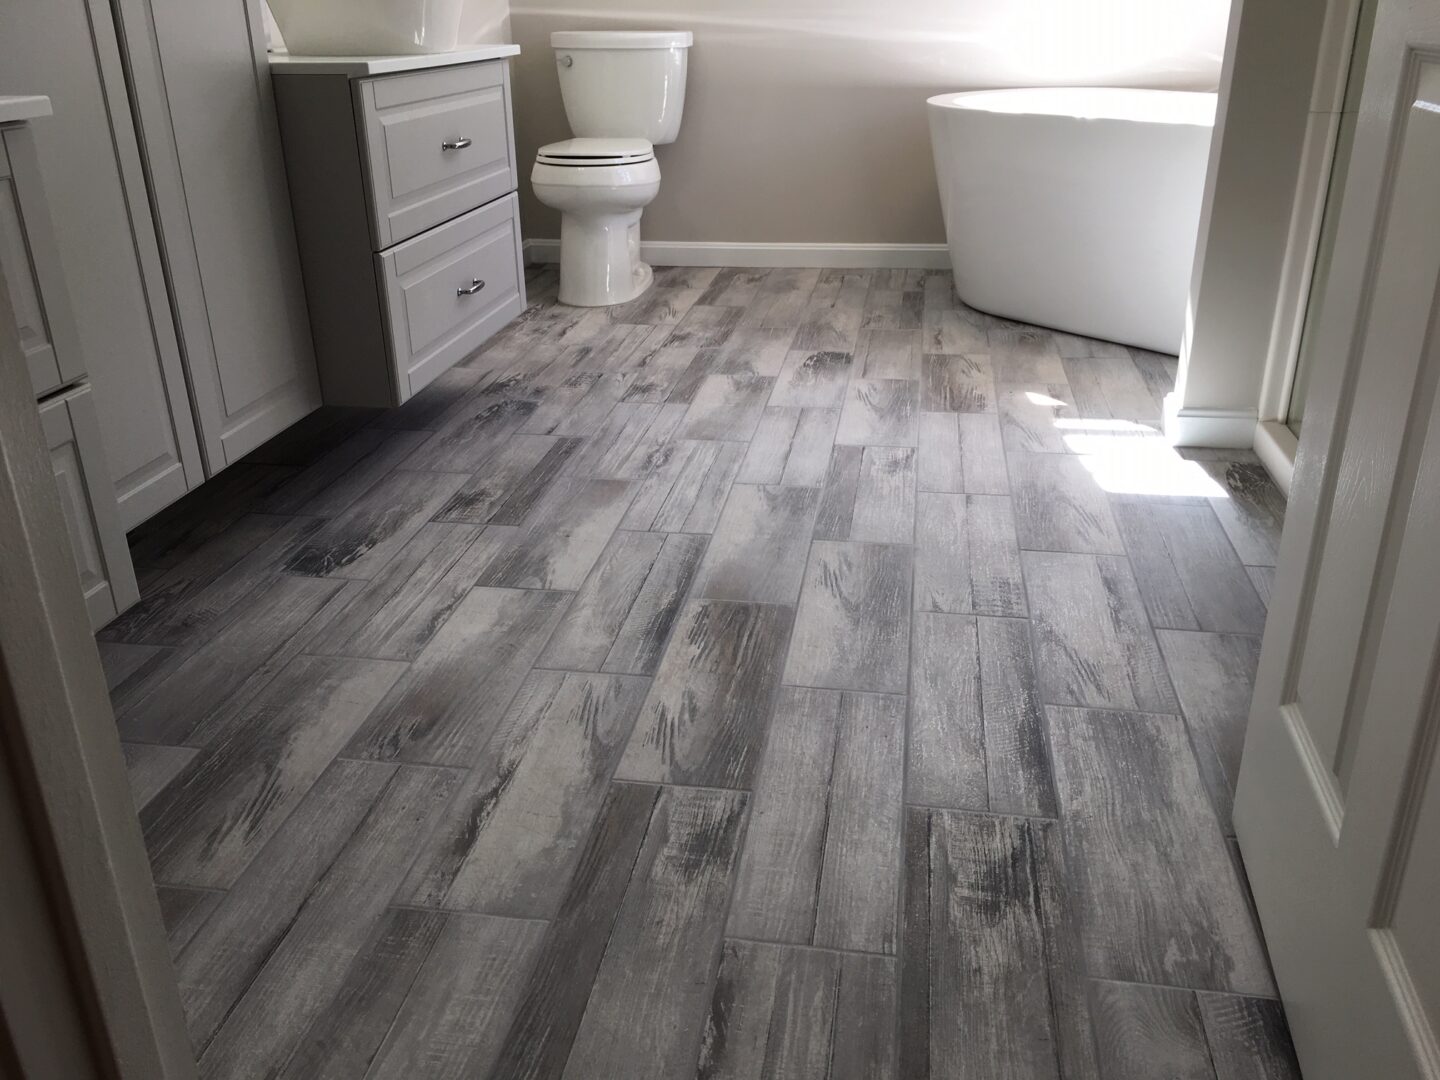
{"points": [[202, 90]]}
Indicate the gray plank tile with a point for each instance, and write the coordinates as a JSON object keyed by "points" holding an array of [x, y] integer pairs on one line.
{"points": [[966, 556], [812, 379], [837, 500], [128, 667], [197, 689], [852, 629], [1112, 387], [791, 446], [954, 331], [781, 300], [865, 1039], [603, 453], [1214, 677], [880, 412], [760, 545], [477, 430], [890, 305], [957, 384], [978, 930], [1059, 506], [341, 1042], [152, 768], [1024, 354], [1036, 417], [962, 453], [184, 912], [752, 351], [1093, 644], [833, 313], [660, 305], [228, 951], [888, 354], [784, 852], [1263, 578], [772, 1013], [509, 483], [946, 758], [1248, 1038], [555, 997], [1076, 346], [690, 493], [656, 448], [1158, 895], [208, 825], [655, 374], [562, 537], [509, 842], [462, 1001], [395, 614], [646, 1007], [446, 705], [1147, 1031], [573, 406], [183, 604], [1253, 511], [885, 496], [329, 485], [1189, 576], [1017, 757], [704, 326], [688, 277], [428, 410], [855, 907], [357, 543], [727, 407], [309, 963], [734, 286], [705, 719]]}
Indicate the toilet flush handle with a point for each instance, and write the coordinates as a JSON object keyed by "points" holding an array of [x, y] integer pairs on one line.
{"points": [[565, 60]]}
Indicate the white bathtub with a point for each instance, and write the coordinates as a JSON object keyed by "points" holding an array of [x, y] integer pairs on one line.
{"points": [[1075, 208]]}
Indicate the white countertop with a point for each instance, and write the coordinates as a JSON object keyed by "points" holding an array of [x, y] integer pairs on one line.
{"points": [[23, 107], [359, 66]]}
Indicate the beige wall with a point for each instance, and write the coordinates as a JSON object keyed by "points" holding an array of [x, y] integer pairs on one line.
{"points": [[805, 119]]}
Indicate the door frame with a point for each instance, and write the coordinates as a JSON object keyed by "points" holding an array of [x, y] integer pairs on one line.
{"points": [[86, 978]]}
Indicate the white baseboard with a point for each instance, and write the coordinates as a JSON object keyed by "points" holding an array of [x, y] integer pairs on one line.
{"points": [[1275, 445], [1230, 429], [685, 253]]}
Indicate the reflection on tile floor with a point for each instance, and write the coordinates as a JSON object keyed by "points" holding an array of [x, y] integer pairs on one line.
{"points": [[789, 673]]}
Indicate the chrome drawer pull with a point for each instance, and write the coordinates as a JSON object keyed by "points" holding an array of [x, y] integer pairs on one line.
{"points": [[470, 290], [454, 144]]}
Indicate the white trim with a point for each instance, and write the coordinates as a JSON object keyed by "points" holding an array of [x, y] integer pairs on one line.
{"points": [[1230, 429], [1275, 445], [708, 253]]}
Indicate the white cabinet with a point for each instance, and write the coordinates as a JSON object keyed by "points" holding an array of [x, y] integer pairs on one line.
{"points": [[91, 517], [405, 209]]}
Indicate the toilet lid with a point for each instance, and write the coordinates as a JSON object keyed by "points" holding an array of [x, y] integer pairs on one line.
{"points": [[581, 152]]}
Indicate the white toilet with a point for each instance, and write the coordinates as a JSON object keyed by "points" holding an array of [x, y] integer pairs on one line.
{"points": [[624, 92]]}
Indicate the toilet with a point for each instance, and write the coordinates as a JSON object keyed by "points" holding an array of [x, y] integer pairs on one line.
{"points": [[624, 91]]}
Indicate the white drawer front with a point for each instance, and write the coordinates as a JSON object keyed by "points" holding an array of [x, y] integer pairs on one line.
{"points": [[432, 323], [438, 143]]}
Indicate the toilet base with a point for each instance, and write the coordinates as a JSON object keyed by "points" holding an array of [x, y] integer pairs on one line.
{"points": [[600, 263]]}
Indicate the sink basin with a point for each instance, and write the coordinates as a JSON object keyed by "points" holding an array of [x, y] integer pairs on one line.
{"points": [[368, 27]]}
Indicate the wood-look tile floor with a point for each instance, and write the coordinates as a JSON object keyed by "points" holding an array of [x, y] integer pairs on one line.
{"points": [[791, 673]]}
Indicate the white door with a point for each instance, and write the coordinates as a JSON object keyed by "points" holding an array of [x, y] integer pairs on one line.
{"points": [[1337, 809]]}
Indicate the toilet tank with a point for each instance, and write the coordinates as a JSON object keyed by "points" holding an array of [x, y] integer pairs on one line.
{"points": [[623, 83]]}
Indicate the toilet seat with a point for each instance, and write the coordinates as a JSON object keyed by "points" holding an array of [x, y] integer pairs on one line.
{"points": [[595, 152]]}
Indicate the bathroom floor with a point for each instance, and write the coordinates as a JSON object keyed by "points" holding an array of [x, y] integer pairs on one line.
{"points": [[789, 673]]}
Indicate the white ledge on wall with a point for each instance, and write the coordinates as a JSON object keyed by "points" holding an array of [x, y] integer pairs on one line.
{"points": [[1230, 429], [1275, 445], [704, 253]]}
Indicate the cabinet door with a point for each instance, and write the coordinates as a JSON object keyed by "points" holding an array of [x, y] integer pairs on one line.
{"points": [[107, 577], [90, 169], [203, 99]]}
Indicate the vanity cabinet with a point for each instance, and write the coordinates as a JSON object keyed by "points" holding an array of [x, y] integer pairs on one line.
{"points": [[402, 177]]}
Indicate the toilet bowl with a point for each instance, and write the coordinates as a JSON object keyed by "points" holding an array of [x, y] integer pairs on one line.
{"points": [[624, 92], [600, 186]]}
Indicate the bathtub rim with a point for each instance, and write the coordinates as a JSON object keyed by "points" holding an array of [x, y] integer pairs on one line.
{"points": [[1187, 108]]}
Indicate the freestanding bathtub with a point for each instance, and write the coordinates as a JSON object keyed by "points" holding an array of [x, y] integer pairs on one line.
{"points": [[1075, 208]]}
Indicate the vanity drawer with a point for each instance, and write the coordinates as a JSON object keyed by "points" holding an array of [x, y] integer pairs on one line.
{"points": [[437, 143], [432, 323]]}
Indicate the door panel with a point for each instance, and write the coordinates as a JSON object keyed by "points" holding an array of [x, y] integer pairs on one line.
{"points": [[202, 90], [1335, 809]]}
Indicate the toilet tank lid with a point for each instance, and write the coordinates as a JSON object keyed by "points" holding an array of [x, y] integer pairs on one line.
{"points": [[621, 39]]}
